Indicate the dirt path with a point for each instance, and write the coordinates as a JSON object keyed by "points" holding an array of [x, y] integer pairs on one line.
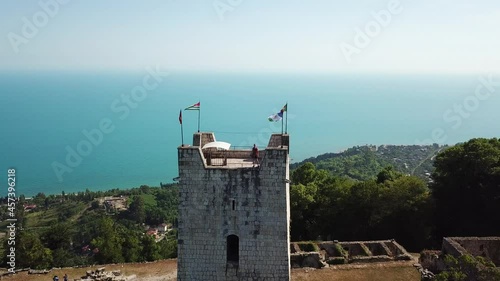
{"points": [[430, 156]]}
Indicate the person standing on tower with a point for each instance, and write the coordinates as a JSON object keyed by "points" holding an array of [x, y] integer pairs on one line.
{"points": [[255, 155]]}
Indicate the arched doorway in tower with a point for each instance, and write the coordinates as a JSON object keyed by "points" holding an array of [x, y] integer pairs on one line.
{"points": [[233, 249]]}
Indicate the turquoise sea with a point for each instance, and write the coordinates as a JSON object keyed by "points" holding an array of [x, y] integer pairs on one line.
{"points": [[43, 115]]}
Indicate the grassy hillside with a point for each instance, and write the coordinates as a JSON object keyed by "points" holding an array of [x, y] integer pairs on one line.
{"points": [[65, 211], [365, 162]]}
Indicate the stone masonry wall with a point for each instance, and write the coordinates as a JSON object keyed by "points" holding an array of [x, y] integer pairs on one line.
{"points": [[242, 154], [278, 140], [260, 219], [200, 139], [488, 247]]}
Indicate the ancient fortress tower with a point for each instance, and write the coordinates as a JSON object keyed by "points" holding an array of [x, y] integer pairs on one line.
{"points": [[233, 215]]}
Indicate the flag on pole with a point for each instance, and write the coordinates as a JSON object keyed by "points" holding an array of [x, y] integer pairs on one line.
{"points": [[274, 118], [278, 116], [182, 127], [195, 106]]}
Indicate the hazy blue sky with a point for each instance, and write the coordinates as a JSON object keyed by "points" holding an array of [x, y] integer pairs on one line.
{"points": [[255, 35]]}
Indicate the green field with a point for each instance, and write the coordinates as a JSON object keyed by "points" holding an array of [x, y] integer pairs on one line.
{"points": [[45, 218]]}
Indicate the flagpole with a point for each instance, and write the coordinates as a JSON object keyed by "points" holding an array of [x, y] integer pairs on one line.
{"points": [[286, 121], [199, 112], [182, 127], [282, 125]]}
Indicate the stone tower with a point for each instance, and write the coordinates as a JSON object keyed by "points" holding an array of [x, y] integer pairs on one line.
{"points": [[233, 214]]}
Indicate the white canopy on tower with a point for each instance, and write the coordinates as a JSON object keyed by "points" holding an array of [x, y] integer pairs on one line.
{"points": [[217, 144]]}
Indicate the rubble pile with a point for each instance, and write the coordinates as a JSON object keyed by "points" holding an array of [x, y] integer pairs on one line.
{"points": [[101, 274]]}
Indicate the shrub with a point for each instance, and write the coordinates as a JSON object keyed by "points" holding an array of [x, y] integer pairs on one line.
{"points": [[308, 247], [339, 251]]}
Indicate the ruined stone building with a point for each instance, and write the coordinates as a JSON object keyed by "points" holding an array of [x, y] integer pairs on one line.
{"points": [[486, 247], [234, 212]]}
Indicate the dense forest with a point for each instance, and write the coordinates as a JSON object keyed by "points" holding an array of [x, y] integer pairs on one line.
{"points": [[329, 201], [326, 207]]}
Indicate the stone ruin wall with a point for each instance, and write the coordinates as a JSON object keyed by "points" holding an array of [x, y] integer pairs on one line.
{"points": [[488, 247], [323, 254]]}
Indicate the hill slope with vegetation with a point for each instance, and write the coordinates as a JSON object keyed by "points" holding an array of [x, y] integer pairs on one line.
{"points": [[365, 162], [87, 227]]}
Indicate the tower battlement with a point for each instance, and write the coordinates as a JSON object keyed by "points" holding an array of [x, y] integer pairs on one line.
{"points": [[229, 159], [234, 214]]}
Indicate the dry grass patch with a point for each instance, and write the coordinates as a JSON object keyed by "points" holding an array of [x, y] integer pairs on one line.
{"points": [[393, 271], [165, 270]]}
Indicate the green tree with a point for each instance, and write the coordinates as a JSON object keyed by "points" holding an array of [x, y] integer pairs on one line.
{"points": [[145, 189], [31, 252], [466, 189], [131, 247], [303, 210], [362, 207], [317, 202], [95, 205], [307, 173], [406, 209], [305, 216], [19, 213], [150, 250], [388, 174], [62, 258], [155, 215], [87, 228], [167, 199], [108, 242], [59, 236], [168, 248], [137, 209]]}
